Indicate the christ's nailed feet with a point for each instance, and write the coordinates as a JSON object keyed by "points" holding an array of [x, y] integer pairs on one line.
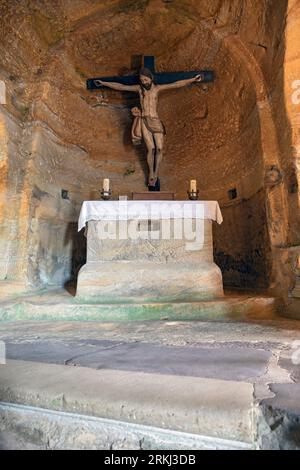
{"points": [[152, 181]]}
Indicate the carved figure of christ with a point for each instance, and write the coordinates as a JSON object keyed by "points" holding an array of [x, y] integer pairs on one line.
{"points": [[151, 127]]}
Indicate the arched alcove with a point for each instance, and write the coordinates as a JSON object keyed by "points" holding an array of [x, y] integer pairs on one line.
{"points": [[209, 127]]}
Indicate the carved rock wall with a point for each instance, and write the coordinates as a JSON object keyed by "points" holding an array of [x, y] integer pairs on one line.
{"points": [[237, 137]]}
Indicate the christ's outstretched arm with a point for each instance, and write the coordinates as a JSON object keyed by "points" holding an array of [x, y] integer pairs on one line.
{"points": [[117, 86], [180, 83]]}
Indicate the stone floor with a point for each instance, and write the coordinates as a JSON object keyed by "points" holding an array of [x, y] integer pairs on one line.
{"points": [[235, 383]]}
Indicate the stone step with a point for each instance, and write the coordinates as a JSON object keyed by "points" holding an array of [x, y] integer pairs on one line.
{"points": [[132, 409], [10, 289], [32, 428], [53, 307], [292, 309]]}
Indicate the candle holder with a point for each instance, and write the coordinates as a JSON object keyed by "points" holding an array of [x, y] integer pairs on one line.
{"points": [[193, 195], [106, 195]]}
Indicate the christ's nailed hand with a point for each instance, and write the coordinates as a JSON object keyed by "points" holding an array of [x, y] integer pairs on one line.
{"points": [[198, 78]]}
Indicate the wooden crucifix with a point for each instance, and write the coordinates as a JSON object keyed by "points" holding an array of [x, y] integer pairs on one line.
{"points": [[146, 125]]}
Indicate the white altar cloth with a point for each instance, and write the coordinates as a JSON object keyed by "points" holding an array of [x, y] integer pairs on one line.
{"points": [[155, 210]]}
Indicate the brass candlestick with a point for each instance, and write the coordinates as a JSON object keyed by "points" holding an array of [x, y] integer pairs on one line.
{"points": [[193, 195], [106, 194]]}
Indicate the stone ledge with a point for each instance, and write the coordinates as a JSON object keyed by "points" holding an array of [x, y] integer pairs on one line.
{"points": [[183, 404], [37, 428], [49, 307], [291, 309]]}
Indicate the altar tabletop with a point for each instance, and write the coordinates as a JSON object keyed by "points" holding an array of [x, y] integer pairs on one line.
{"points": [[154, 210]]}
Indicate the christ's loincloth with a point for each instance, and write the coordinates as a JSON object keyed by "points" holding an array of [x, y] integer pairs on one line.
{"points": [[153, 124]]}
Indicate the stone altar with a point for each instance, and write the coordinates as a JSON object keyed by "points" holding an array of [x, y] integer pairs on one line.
{"points": [[137, 254]]}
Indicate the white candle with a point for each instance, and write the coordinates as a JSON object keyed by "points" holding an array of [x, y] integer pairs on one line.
{"points": [[106, 184], [193, 186]]}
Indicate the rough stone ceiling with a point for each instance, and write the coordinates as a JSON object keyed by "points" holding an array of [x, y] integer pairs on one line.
{"points": [[159, 23]]}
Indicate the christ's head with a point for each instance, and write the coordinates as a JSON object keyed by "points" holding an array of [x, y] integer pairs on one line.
{"points": [[146, 78]]}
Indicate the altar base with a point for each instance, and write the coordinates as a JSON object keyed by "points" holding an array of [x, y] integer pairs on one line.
{"points": [[147, 270]]}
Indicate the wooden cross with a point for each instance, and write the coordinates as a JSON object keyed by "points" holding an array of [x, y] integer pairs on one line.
{"points": [[160, 78]]}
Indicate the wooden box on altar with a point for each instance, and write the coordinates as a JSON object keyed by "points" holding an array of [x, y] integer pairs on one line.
{"points": [[153, 196]]}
